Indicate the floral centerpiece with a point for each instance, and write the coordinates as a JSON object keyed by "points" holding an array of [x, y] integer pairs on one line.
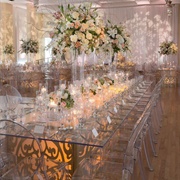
{"points": [[62, 98], [167, 48], [99, 84], [8, 49], [29, 46], [118, 40], [77, 27]]}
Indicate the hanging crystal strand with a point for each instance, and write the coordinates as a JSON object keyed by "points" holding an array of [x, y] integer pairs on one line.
{"points": [[115, 62], [94, 62], [74, 65], [110, 60], [82, 67]]}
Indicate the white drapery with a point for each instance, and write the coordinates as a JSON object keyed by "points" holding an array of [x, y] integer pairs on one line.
{"points": [[148, 26]]}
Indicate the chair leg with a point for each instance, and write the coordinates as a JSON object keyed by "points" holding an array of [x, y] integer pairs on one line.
{"points": [[152, 135], [154, 121], [160, 112], [142, 171], [147, 156], [158, 119], [151, 142]]}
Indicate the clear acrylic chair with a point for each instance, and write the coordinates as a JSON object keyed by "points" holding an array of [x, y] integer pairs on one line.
{"points": [[93, 169], [22, 158], [3, 103], [16, 143], [13, 98], [133, 152]]}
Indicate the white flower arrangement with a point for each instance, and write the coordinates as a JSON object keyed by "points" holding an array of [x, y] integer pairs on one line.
{"points": [[29, 46], [167, 48], [62, 98], [8, 49], [118, 40], [78, 28], [100, 84]]}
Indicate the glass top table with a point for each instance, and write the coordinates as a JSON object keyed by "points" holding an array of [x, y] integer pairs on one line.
{"points": [[97, 130]]}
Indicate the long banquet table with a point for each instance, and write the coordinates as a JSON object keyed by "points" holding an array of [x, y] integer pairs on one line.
{"points": [[74, 144]]}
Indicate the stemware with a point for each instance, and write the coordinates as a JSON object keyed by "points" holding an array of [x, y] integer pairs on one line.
{"points": [[20, 114], [68, 116]]}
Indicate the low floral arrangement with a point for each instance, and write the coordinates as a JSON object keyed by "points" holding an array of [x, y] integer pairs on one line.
{"points": [[77, 27], [8, 49], [29, 46], [100, 83], [62, 98], [118, 40], [167, 48]]}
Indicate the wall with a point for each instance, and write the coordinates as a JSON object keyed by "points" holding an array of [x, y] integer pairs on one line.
{"points": [[18, 23], [6, 28]]}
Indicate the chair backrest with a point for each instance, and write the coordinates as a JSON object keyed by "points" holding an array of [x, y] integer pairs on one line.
{"points": [[3, 100], [20, 151], [10, 98], [13, 97]]}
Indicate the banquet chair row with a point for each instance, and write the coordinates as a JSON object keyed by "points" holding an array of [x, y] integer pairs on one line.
{"points": [[154, 103], [146, 130]]}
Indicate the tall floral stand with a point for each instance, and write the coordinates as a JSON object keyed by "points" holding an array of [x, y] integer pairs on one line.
{"points": [[31, 58]]}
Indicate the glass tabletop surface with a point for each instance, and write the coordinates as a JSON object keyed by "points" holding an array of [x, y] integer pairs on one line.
{"points": [[95, 130]]}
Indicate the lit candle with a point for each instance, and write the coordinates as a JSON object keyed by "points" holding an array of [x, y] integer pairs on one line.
{"points": [[43, 90], [52, 104]]}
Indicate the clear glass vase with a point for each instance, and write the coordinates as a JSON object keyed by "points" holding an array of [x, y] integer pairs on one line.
{"points": [[81, 66], [74, 67], [77, 69], [165, 61], [30, 58]]}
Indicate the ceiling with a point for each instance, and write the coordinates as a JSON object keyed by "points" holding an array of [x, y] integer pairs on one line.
{"points": [[98, 3]]}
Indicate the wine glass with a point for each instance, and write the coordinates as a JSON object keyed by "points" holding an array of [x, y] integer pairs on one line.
{"points": [[20, 114]]}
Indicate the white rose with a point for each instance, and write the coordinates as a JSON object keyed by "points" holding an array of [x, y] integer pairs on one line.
{"points": [[83, 38], [75, 15], [88, 36], [120, 39], [73, 38], [92, 28], [90, 23], [65, 96], [86, 41], [97, 44], [80, 35], [98, 30], [69, 25], [84, 26]]}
